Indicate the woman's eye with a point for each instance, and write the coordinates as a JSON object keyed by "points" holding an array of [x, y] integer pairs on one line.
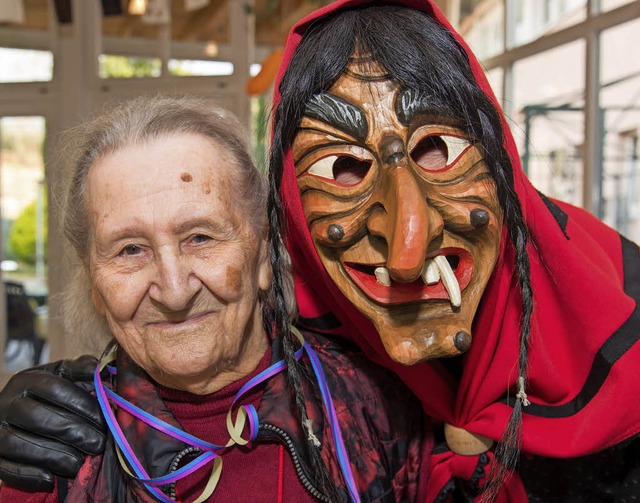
{"points": [[131, 250], [200, 238], [344, 169], [436, 153]]}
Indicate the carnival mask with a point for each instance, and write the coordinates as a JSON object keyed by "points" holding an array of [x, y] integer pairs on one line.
{"points": [[402, 210]]}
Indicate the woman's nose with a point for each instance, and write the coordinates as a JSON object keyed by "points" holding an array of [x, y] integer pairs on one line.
{"points": [[176, 283], [406, 221]]}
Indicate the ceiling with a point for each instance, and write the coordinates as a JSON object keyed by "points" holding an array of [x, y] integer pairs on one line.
{"points": [[210, 23]]}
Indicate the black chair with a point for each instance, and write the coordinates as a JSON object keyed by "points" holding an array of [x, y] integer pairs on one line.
{"points": [[21, 327]]}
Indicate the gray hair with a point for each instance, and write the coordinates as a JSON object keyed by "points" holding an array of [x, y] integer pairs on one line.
{"points": [[144, 119], [136, 122]]}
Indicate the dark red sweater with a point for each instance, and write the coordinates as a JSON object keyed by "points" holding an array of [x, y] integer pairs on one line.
{"points": [[251, 472]]}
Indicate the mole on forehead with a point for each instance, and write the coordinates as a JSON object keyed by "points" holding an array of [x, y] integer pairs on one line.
{"points": [[205, 184]]}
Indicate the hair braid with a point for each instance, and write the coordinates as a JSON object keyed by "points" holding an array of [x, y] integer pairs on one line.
{"points": [[283, 325], [508, 449]]}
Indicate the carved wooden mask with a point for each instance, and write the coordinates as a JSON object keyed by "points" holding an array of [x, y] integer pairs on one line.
{"points": [[401, 208]]}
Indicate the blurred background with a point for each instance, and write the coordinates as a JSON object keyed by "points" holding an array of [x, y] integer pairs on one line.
{"points": [[567, 73]]}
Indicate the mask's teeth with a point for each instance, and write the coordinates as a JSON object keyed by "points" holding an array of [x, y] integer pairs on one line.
{"points": [[430, 273], [382, 276], [449, 280]]}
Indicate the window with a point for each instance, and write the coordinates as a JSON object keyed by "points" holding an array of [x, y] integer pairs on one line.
{"points": [[620, 109], [23, 205], [548, 119], [21, 65]]}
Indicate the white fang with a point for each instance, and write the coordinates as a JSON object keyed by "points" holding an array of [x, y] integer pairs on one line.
{"points": [[449, 280]]}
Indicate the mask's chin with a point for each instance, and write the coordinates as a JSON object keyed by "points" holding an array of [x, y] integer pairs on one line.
{"points": [[413, 333], [413, 344]]}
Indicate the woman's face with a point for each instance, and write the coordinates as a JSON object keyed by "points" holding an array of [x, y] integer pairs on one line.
{"points": [[176, 266]]}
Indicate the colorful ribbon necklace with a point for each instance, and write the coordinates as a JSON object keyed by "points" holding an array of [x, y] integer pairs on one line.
{"points": [[211, 452]]}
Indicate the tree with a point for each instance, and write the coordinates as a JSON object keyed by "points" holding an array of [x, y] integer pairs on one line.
{"points": [[22, 236], [128, 67]]}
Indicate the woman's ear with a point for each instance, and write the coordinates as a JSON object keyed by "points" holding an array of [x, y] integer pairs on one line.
{"points": [[98, 302], [265, 272]]}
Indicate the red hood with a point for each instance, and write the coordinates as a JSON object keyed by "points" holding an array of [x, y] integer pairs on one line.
{"points": [[581, 366]]}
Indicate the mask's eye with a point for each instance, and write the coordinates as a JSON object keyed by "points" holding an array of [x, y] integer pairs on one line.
{"points": [[344, 169], [436, 153]]}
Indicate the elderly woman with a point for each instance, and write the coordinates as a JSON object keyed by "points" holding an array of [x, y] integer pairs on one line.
{"points": [[167, 214]]}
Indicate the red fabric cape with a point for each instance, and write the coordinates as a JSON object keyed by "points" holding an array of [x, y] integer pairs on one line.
{"points": [[584, 362]]}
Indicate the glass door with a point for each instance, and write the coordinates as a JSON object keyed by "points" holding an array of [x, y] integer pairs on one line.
{"points": [[23, 239]]}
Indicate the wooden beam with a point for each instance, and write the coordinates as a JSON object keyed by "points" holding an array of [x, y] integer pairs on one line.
{"points": [[204, 24]]}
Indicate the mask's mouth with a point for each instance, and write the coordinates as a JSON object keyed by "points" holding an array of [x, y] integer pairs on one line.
{"points": [[445, 275]]}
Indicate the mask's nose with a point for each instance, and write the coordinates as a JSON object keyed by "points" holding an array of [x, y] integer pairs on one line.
{"points": [[403, 216]]}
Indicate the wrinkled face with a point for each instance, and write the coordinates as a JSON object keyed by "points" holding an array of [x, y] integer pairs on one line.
{"points": [[402, 211], [176, 267]]}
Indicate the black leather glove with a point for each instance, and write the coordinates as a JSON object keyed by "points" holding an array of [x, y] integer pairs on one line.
{"points": [[49, 421]]}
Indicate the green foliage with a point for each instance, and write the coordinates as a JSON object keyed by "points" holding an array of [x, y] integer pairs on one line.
{"points": [[179, 68], [22, 236], [260, 121], [126, 67], [7, 252], [8, 142]]}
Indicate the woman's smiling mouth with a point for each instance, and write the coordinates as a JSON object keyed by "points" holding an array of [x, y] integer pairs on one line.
{"points": [[173, 321]]}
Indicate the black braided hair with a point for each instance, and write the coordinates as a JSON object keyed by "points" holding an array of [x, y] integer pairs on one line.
{"points": [[421, 56], [282, 320]]}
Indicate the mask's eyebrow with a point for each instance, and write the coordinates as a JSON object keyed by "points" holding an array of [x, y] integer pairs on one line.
{"points": [[410, 102], [338, 113]]}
